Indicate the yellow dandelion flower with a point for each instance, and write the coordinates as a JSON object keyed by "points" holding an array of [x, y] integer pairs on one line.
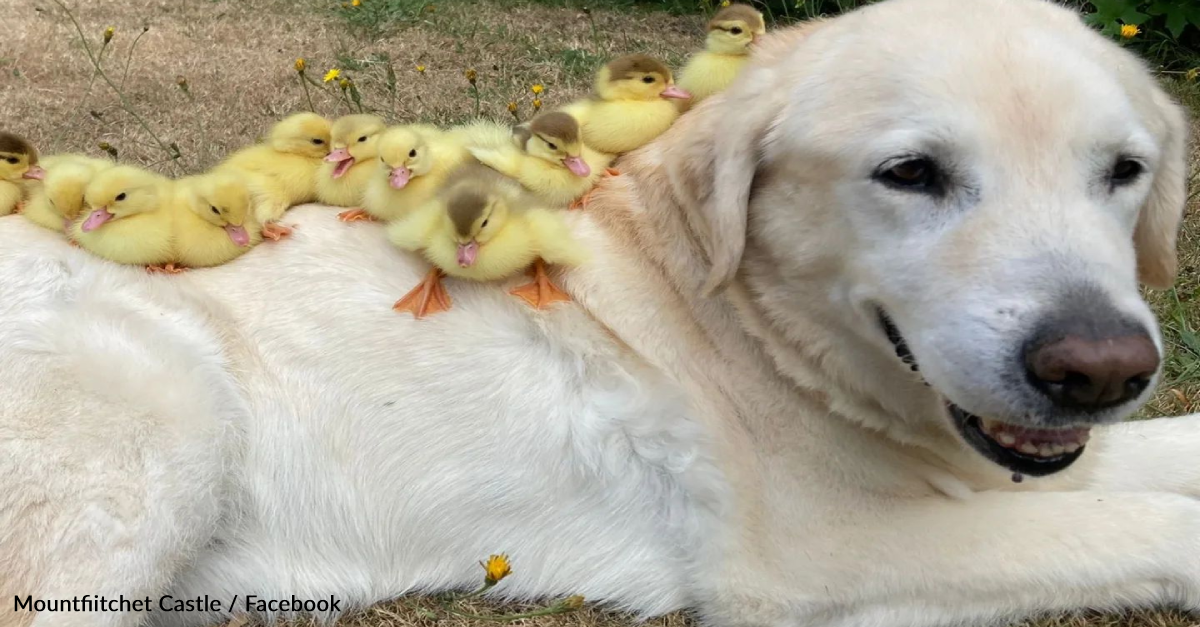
{"points": [[1129, 31], [332, 75], [420, 69], [108, 34], [300, 65], [356, 3], [724, 3], [471, 76], [537, 104], [537, 89], [1192, 74], [495, 569]]}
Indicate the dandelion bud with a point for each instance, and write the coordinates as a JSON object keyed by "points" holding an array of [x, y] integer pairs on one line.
{"points": [[1192, 74], [573, 602], [344, 84], [471, 76], [420, 69], [300, 64], [495, 569], [108, 148], [182, 82], [108, 34], [537, 104]]}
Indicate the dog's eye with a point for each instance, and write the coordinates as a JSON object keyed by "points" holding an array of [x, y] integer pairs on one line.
{"points": [[318, 142], [647, 80], [120, 196], [1125, 172], [412, 153], [735, 30], [919, 174]]}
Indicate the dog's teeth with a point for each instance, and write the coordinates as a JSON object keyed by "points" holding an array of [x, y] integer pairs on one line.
{"points": [[1028, 448], [1046, 450], [1072, 447], [1007, 439], [1058, 449], [989, 425]]}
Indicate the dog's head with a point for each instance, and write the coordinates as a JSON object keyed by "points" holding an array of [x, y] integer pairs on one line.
{"points": [[978, 186]]}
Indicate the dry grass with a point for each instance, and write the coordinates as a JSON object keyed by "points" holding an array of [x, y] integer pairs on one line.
{"points": [[237, 58]]}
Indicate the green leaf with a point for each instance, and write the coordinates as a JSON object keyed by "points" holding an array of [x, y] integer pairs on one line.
{"points": [[1135, 17], [1176, 22]]}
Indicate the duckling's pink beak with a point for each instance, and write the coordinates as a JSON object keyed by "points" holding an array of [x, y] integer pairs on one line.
{"points": [[343, 159], [577, 166], [467, 253], [238, 234], [95, 220], [35, 172], [399, 177], [676, 92]]}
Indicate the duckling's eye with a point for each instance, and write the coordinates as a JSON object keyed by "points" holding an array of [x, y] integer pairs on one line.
{"points": [[647, 80], [318, 142], [483, 225], [120, 196], [412, 153], [735, 30], [363, 138], [215, 210], [12, 160], [552, 145]]}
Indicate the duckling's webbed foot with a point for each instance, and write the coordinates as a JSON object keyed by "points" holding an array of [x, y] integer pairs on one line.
{"points": [[428, 297], [542, 292], [355, 215], [169, 268], [276, 231]]}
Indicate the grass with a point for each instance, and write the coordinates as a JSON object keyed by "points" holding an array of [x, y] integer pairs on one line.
{"points": [[237, 58]]}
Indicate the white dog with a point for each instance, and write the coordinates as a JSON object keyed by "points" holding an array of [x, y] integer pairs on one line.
{"points": [[830, 319]]}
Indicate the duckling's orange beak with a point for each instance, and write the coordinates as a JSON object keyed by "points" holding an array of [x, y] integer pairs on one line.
{"points": [[577, 166], [238, 234], [467, 253], [35, 172], [399, 177], [676, 92], [96, 219], [343, 159]]}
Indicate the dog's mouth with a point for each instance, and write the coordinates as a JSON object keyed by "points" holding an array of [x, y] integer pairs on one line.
{"points": [[1025, 450]]}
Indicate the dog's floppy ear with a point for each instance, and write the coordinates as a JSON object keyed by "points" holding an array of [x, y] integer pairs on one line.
{"points": [[1158, 222], [713, 170]]}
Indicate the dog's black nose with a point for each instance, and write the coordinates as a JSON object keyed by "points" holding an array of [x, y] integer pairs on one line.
{"points": [[1091, 374]]}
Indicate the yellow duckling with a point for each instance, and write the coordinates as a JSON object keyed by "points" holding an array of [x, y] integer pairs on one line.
{"points": [[631, 105], [214, 219], [483, 227], [127, 217], [57, 202], [286, 165], [414, 162], [548, 158], [342, 179], [18, 163], [731, 32]]}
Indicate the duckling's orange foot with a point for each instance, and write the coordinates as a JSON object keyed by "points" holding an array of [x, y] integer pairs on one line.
{"points": [[581, 203], [428, 297], [612, 172], [542, 292], [275, 231], [169, 268], [355, 215], [19, 208]]}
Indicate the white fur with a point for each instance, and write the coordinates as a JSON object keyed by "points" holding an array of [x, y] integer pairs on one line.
{"points": [[272, 427]]}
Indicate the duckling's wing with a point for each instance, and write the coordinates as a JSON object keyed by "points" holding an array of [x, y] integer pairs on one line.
{"points": [[554, 240], [412, 232], [505, 160]]}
